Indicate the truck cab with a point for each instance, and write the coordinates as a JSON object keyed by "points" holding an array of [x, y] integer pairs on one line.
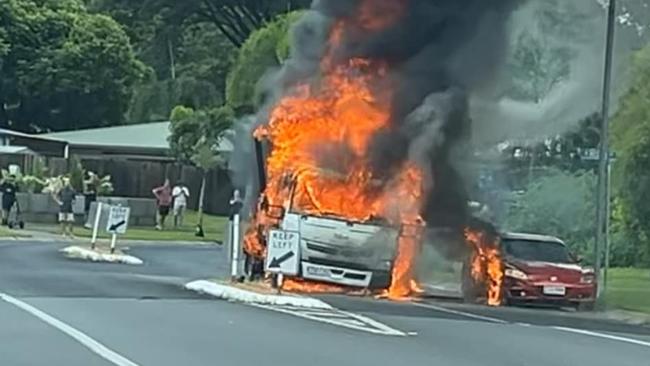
{"points": [[340, 251]]}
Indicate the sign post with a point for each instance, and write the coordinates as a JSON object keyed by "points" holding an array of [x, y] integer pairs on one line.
{"points": [[234, 239], [283, 255], [118, 221], [98, 214]]}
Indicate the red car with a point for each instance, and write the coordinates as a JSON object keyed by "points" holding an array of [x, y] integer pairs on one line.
{"points": [[540, 269]]}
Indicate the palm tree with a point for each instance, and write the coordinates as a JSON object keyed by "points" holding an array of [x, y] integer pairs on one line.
{"points": [[206, 158]]}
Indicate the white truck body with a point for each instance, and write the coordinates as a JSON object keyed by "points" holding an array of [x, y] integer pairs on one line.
{"points": [[347, 253]]}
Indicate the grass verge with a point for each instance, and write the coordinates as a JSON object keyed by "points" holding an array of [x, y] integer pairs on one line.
{"points": [[5, 232], [214, 228], [629, 289]]}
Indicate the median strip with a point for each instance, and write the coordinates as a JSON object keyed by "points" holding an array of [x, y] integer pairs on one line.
{"points": [[77, 252], [237, 294]]}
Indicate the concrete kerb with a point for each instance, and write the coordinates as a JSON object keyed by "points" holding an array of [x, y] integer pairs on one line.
{"points": [[76, 252], [235, 294]]}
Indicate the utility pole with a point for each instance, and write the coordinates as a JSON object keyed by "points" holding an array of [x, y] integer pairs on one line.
{"points": [[602, 227], [172, 61]]}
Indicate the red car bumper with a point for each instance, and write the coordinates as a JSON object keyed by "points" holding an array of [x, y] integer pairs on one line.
{"points": [[518, 291]]}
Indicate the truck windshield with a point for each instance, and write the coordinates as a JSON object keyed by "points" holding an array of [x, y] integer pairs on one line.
{"points": [[542, 251]]}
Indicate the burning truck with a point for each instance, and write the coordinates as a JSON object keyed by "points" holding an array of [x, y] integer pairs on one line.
{"points": [[363, 125]]}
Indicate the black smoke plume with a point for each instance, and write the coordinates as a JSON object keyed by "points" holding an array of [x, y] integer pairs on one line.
{"points": [[439, 52]]}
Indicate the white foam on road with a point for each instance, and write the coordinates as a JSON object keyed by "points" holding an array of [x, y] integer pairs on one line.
{"points": [[91, 255], [232, 293], [93, 345], [604, 336]]}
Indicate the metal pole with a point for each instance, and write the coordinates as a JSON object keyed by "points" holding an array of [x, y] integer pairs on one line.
{"points": [[602, 227], [98, 213], [607, 221], [113, 241], [234, 269]]}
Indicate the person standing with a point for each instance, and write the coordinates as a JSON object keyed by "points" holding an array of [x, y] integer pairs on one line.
{"points": [[163, 201], [66, 198], [8, 189], [236, 204], [90, 191], [180, 194]]}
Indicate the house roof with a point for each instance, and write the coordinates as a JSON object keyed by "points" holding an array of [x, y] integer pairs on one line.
{"points": [[146, 135], [142, 136], [15, 150], [39, 144], [12, 133]]}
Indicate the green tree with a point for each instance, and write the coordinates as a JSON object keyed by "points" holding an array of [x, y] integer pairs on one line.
{"points": [[544, 46], [203, 58], [235, 19], [559, 204], [195, 138], [58, 57], [631, 137], [265, 49]]}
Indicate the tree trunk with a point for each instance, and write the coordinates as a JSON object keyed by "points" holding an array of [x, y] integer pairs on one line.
{"points": [[202, 198]]}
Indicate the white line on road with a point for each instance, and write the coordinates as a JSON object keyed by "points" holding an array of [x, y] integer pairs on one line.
{"points": [[77, 335], [605, 336], [354, 321], [460, 313]]}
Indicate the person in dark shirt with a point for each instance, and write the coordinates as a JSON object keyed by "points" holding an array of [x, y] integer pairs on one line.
{"points": [[90, 191], [8, 188], [65, 198]]}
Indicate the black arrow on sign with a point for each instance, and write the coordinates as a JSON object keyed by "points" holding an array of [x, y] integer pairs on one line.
{"points": [[276, 262], [116, 225]]}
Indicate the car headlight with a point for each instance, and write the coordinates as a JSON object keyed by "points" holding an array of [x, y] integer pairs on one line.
{"points": [[588, 278], [517, 274]]}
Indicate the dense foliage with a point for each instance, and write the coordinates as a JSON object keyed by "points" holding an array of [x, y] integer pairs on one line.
{"points": [[264, 51], [56, 56], [631, 129]]}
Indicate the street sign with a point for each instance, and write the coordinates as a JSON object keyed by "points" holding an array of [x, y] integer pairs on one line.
{"points": [[118, 220], [283, 252]]}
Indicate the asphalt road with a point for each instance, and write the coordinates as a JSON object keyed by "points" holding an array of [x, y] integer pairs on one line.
{"points": [[55, 311]]}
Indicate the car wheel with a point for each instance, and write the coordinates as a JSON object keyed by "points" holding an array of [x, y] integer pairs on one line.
{"points": [[468, 287], [586, 306]]}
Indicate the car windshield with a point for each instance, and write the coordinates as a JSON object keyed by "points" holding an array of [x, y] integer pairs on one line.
{"points": [[534, 250]]}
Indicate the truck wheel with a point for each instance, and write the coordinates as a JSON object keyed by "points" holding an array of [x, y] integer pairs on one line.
{"points": [[468, 287], [248, 267], [253, 268]]}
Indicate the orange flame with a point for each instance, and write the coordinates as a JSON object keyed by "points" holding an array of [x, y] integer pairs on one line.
{"points": [[320, 136], [297, 285], [486, 264]]}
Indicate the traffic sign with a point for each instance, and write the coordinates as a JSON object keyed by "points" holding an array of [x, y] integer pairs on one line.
{"points": [[283, 252], [118, 220]]}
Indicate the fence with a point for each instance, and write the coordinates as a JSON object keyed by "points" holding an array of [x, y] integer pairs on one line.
{"points": [[136, 178]]}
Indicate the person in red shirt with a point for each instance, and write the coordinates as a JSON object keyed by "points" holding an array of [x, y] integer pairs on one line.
{"points": [[163, 201]]}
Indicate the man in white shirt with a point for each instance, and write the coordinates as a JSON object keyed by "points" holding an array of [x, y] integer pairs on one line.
{"points": [[180, 194]]}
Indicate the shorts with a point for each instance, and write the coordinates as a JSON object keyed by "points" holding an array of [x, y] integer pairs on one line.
{"points": [[179, 209], [163, 210], [66, 217], [8, 203]]}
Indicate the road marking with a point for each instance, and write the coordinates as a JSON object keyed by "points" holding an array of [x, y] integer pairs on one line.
{"points": [[77, 335], [460, 313], [341, 319], [605, 336]]}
